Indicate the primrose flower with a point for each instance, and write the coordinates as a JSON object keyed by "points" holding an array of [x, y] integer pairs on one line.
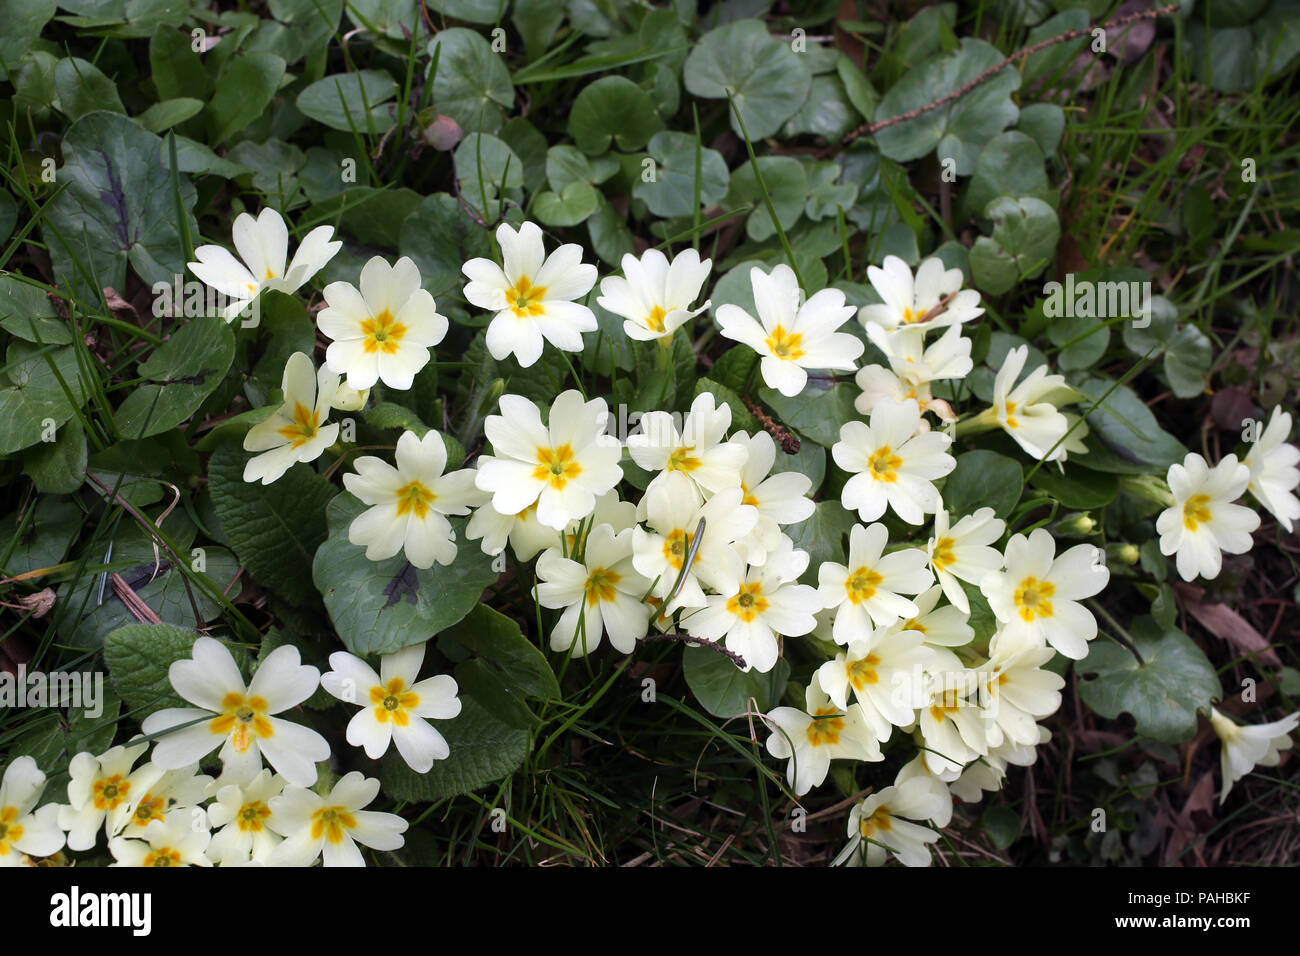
{"points": [[410, 502], [600, 593], [156, 795], [1020, 690], [239, 717], [766, 604], [294, 432], [1250, 745], [792, 338], [1203, 522], [811, 738], [331, 826], [893, 463], [961, 552], [381, 332], [781, 499], [654, 295], [882, 824], [951, 722], [1027, 412], [263, 245], [869, 590], [673, 515], [246, 823], [912, 367], [532, 295], [99, 785], [930, 300], [395, 705], [1036, 594], [698, 451], [561, 467], [1273, 472], [23, 829], [173, 842]]}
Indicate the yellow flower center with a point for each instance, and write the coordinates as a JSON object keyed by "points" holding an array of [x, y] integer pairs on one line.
{"points": [[110, 791], [10, 832], [382, 333], [683, 460], [600, 585], [861, 584], [748, 496], [825, 727], [150, 808], [949, 702], [655, 320], [911, 315], [526, 298], [785, 345], [305, 424], [880, 820], [863, 672], [943, 554], [1011, 410], [748, 603], [243, 719], [1032, 597], [252, 817], [163, 856], [557, 466], [331, 823], [883, 464], [1196, 511], [394, 700], [675, 548], [414, 497]]}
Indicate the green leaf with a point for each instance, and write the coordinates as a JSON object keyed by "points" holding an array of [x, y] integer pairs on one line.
{"points": [[23, 20], [163, 116], [505, 669], [1188, 359], [244, 91], [483, 749], [1010, 165], [766, 79], [724, 690], [27, 312], [827, 112], [58, 467], [1077, 488], [1025, 233], [471, 11], [672, 193], [276, 528], [822, 535], [380, 606], [35, 400], [184, 371], [1044, 123], [473, 84], [439, 237], [817, 413], [1084, 340], [486, 167], [787, 185], [960, 129], [572, 205], [118, 207], [138, 656], [82, 88], [53, 740], [983, 479], [613, 108], [1003, 826], [45, 539], [1163, 693], [1125, 437], [350, 101]]}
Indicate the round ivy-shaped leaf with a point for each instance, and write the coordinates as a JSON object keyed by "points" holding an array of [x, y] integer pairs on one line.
{"points": [[472, 82], [35, 399], [1044, 123], [1010, 165], [724, 690], [1163, 691], [472, 11], [672, 190], [351, 101], [983, 479], [1025, 233], [787, 186], [766, 79], [613, 108], [959, 129], [380, 606], [570, 206]]}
